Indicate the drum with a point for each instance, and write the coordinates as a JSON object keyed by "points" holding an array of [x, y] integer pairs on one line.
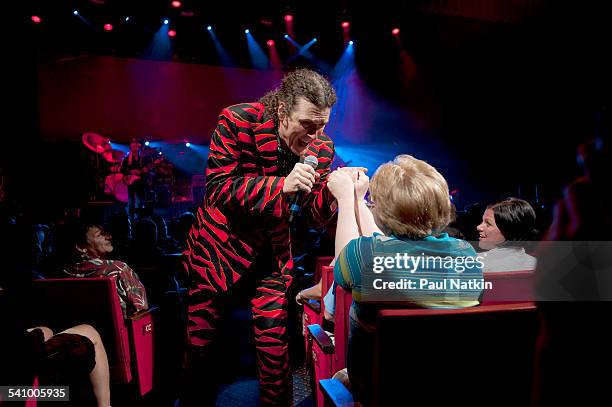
{"points": [[110, 181], [121, 191], [114, 185]]}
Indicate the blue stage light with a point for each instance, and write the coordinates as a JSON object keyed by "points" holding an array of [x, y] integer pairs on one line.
{"points": [[166, 21]]}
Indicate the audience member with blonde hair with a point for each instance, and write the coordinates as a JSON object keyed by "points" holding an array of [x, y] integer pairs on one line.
{"points": [[410, 206]]}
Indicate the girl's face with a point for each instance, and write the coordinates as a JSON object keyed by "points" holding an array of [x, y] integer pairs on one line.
{"points": [[489, 234]]}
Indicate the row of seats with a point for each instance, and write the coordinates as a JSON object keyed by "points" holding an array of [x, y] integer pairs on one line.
{"points": [[129, 343], [491, 345]]}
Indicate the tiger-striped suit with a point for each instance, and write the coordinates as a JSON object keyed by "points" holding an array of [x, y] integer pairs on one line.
{"points": [[243, 211]]}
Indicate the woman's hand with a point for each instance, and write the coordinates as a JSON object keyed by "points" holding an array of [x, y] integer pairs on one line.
{"points": [[362, 183], [341, 185]]}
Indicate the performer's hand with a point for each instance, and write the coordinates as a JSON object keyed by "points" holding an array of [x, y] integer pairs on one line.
{"points": [[341, 185], [362, 183], [301, 178]]}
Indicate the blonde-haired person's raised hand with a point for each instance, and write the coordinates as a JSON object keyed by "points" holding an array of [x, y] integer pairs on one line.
{"points": [[341, 185], [362, 183]]}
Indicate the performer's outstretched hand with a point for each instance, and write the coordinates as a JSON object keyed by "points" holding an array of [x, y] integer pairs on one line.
{"points": [[301, 178]]}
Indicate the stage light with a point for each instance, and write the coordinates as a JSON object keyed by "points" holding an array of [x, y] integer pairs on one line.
{"points": [[345, 24], [127, 19], [160, 153], [171, 33], [166, 21], [286, 36], [176, 4], [187, 144], [270, 43], [108, 27], [246, 31], [288, 18], [395, 31], [75, 12], [314, 39], [351, 42], [209, 28], [36, 19], [147, 143]]}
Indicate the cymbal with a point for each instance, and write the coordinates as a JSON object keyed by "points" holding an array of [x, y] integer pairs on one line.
{"points": [[96, 142], [113, 156]]}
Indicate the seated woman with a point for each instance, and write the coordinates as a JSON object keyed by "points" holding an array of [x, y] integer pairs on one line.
{"points": [[68, 356], [90, 244], [411, 205], [504, 225]]}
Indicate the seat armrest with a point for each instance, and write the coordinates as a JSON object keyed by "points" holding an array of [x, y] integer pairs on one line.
{"points": [[143, 313], [336, 394], [321, 338]]}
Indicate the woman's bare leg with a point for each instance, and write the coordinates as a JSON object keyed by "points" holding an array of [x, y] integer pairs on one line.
{"points": [[99, 376]]}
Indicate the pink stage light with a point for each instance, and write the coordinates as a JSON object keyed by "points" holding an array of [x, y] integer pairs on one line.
{"points": [[36, 19], [395, 31], [288, 18], [176, 4], [270, 43], [345, 24], [108, 27], [172, 33]]}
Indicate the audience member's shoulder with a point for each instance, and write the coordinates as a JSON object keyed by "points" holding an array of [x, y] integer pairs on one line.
{"points": [[118, 264], [454, 244]]}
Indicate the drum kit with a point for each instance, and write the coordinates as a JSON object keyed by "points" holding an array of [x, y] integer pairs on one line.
{"points": [[115, 183]]}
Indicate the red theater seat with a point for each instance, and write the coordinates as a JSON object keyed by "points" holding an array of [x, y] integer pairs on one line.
{"points": [[313, 309], [329, 355], [62, 303], [480, 356], [509, 287]]}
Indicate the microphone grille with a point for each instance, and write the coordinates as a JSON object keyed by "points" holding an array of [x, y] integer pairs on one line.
{"points": [[312, 161]]}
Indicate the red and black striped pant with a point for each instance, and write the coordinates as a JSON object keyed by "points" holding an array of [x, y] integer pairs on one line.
{"points": [[269, 308]]}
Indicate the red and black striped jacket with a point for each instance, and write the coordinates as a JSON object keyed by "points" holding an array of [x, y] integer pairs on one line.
{"points": [[244, 208]]}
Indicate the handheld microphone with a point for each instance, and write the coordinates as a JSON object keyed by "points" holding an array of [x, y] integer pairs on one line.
{"points": [[295, 207]]}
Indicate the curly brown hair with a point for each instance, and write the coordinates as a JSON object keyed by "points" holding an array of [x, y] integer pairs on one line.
{"points": [[299, 83]]}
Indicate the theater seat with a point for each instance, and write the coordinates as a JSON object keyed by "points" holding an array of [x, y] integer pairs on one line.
{"points": [[329, 355], [63, 303], [480, 356], [312, 310], [509, 287]]}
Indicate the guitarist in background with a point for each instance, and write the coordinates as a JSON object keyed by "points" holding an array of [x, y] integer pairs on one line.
{"points": [[134, 170]]}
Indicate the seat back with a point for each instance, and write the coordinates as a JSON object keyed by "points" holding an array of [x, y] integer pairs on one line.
{"points": [[321, 262], [63, 303], [344, 299], [327, 278], [474, 356], [509, 287]]}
